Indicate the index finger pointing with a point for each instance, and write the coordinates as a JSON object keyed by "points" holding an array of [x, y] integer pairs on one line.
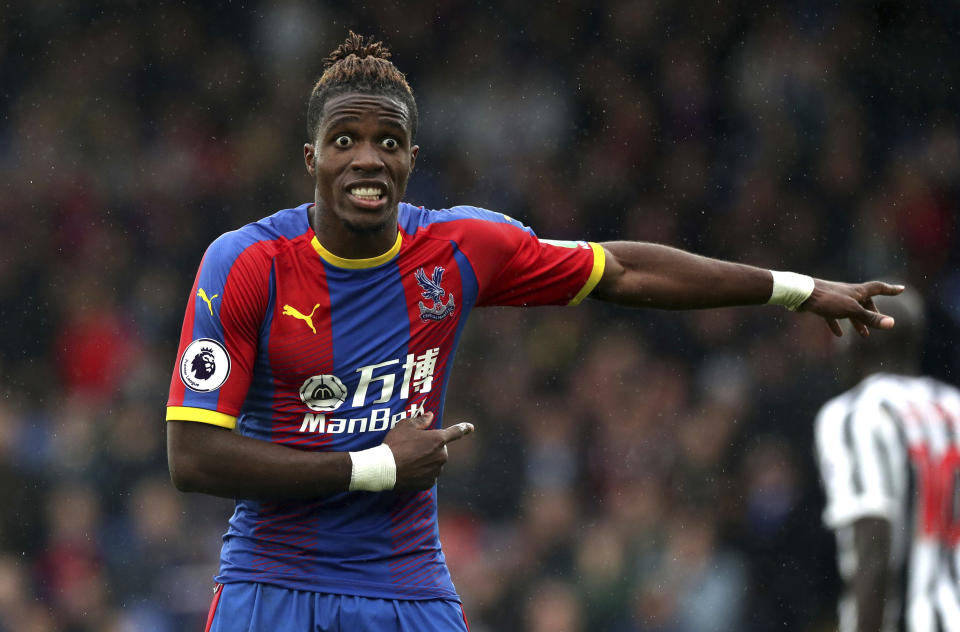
{"points": [[456, 431], [878, 287]]}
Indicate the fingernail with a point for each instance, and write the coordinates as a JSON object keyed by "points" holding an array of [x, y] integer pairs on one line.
{"points": [[900, 287], [466, 428]]}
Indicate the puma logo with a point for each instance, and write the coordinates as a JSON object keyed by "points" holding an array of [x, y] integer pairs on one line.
{"points": [[292, 311], [203, 295]]}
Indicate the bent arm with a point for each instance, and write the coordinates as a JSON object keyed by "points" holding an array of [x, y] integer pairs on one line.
{"points": [[871, 537], [640, 274], [213, 460]]}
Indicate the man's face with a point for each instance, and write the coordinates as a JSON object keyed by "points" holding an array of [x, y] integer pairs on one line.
{"points": [[360, 161]]}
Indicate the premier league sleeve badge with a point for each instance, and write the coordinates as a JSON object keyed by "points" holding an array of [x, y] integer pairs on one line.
{"points": [[204, 365]]}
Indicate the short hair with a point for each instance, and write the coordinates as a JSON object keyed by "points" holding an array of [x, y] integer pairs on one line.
{"points": [[359, 65]]}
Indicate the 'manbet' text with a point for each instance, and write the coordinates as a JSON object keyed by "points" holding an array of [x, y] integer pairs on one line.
{"points": [[380, 419]]}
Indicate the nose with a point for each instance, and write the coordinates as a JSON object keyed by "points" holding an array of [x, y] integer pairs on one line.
{"points": [[366, 158]]}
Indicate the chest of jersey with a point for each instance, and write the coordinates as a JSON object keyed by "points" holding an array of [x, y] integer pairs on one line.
{"points": [[354, 350]]}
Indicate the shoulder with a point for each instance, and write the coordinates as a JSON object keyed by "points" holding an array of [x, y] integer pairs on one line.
{"points": [[834, 411], [858, 417], [260, 239], [896, 392], [414, 218], [867, 394], [942, 390]]}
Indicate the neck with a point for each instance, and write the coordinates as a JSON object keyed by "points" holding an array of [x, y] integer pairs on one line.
{"points": [[350, 241]]}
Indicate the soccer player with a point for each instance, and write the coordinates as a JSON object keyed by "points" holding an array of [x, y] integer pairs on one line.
{"points": [[889, 459], [323, 337]]}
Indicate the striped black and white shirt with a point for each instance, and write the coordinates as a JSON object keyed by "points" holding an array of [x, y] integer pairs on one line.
{"points": [[890, 448]]}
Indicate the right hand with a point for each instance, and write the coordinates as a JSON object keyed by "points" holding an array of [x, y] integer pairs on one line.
{"points": [[419, 453]]}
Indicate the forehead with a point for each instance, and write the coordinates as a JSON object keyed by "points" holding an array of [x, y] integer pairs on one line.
{"points": [[359, 105]]}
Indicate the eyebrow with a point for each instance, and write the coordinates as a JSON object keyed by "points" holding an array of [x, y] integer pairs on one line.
{"points": [[350, 118], [340, 120]]}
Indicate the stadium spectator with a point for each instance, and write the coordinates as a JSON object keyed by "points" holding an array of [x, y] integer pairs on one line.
{"points": [[887, 450]]}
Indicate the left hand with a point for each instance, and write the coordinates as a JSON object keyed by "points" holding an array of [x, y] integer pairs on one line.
{"points": [[833, 300]]}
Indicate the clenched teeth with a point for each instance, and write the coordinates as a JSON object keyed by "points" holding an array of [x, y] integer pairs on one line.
{"points": [[366, 193]]}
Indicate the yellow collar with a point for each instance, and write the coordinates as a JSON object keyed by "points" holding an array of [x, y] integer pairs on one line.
{"points": [[355, 264]]}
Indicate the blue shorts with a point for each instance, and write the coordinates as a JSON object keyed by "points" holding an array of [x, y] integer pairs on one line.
{"points": [[251, 607]]}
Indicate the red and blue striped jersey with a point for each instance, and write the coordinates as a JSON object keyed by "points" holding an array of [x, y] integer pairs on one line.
{"points": [[288, 343]]}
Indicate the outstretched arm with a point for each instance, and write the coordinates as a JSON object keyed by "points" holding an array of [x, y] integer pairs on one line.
{"points": [[641, 274]]}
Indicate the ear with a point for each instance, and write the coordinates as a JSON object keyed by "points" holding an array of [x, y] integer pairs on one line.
{"points": [[308, 158], [413, 155]]}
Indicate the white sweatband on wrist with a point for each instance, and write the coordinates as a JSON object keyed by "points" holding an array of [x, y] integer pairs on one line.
{"points": [[790, 289], [373, 469]]}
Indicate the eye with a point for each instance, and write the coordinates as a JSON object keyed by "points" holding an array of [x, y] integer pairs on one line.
{"points": [[390, 143], [343, 141]]}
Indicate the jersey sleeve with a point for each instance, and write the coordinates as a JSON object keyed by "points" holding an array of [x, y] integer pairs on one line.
{"points": [[859, 458], [218, 341], [514, 267]]}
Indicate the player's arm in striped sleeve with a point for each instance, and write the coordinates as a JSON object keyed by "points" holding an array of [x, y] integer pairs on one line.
{"points": [[861, 464], [514, 267], [641, 274], [218, 348]]}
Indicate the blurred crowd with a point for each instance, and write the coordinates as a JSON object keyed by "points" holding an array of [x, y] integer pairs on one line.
{"points": [[632, 471]]}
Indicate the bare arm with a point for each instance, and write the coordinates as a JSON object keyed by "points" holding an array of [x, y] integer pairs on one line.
{"points": [[640, 274], [871, 537], [213, 460]]}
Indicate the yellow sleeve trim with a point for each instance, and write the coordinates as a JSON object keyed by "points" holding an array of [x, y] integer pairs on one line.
{"points": [[183, 413], [599, 262]]}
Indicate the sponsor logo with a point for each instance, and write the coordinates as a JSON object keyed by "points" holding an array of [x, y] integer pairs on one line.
{"points": [[205, 299], [432, 291], [380, 419], [204, 365], [292, 311], [378, 382], [323, 393]]}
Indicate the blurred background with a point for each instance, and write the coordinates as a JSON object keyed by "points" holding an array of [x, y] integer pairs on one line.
{"points": [[632, 470]]}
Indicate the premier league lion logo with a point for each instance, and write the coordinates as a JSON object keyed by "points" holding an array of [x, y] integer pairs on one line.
{"points": [[204, 364]]}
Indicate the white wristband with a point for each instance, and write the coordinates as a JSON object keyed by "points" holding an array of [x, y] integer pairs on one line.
{"points": [[373, 469], [790, 289]]}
